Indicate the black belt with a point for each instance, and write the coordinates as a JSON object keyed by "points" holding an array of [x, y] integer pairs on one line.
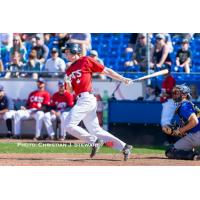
{"points": [[79, 95]]}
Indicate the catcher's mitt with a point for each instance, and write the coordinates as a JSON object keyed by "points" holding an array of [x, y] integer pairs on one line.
{"points": [[172, 130]]}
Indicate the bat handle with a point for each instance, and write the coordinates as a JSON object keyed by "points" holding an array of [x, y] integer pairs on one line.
{"points": [[135, 80]]}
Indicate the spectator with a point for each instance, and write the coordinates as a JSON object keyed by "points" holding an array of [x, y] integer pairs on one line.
{"points": [[33, 65], [140, 53], [194, 93], [183, 57], [132, 42], [15, 66], [19, 47], [61, 103], [38, 102], [168, 105], [94, 54], [5, 45], [161, 57], [55, 65], [168, 41], [150, 93], [83, 39], [6, 110], [41, 48]]}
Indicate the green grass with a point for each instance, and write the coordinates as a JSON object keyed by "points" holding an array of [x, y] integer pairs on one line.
{"points": [[11, 147]]}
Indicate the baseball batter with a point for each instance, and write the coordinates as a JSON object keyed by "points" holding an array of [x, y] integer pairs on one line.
{"points": [[61, 103], [37, 103], [189, 127], [79, 76]]}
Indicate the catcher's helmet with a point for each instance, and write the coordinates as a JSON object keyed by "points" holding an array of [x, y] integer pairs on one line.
{"points": [[73, 48], [184, 90]]}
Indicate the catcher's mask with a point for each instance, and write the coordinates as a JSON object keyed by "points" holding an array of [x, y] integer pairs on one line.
{"points": [[179, 91]]}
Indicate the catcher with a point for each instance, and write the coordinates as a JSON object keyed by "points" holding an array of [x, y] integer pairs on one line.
{"points": [[189, 126]]}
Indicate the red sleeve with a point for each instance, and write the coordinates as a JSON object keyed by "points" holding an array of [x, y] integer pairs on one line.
{"points": [[94, 65], [47, 99], [70, 99]]}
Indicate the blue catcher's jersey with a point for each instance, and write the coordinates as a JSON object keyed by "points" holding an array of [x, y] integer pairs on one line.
{"points": [[185, 110]]}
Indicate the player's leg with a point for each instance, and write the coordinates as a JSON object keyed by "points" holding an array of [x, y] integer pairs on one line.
{"points": [[48, 118], [183, 148], [38, 116], [76, 114], [18, 116], [63, 118], [8, 116], [92, 124]]}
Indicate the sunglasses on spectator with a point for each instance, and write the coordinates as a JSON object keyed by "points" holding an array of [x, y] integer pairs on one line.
{"points": [[15, 40]]}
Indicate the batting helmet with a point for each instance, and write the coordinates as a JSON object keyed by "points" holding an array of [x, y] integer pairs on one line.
{"points": [[73, 48]]}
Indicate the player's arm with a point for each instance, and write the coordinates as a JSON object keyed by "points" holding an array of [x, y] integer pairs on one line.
{"points": [[4, 111], [68, 85], [192, 122], [114, 75], [46, 104]]}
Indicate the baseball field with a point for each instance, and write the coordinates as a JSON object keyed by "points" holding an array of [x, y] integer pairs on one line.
{"points": [[76, 153]]}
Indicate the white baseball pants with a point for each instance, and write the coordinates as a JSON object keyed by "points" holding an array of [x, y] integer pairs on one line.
{"points": [[168, 110], [85, 109], [49, 118], [28, 114], [9, 115]]}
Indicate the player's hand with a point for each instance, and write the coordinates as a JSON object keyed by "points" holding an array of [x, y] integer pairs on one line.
{"points": [[127, 81], [53, 112]]}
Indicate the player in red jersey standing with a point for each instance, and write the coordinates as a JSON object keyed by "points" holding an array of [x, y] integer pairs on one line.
{"points": [[79, 77], [168, 105], [37, 103], [62, 101]]}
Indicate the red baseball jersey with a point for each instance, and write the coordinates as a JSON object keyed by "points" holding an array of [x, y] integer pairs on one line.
{"points": [[62, 101], [38, 98], [168, 84], [80, 74]]}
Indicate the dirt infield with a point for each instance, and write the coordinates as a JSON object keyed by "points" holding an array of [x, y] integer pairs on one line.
{"points": [[60, 159], [68, 159]]}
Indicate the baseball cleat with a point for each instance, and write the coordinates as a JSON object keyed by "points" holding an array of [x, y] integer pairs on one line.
{"points": [[37, 138], [52, 137], [196, 157], [127, 151], [17, 137], [95, 147]]}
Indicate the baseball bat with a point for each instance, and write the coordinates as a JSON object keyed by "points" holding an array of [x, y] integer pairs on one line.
{"points": [[155, 74]]}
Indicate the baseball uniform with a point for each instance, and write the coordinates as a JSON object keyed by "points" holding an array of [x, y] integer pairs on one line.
{"points": [[35, 103], [60, 103], [80, 75]]}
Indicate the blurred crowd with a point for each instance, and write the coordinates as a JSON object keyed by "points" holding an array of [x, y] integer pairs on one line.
{"points": [[27, 54], [162, 51]]}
